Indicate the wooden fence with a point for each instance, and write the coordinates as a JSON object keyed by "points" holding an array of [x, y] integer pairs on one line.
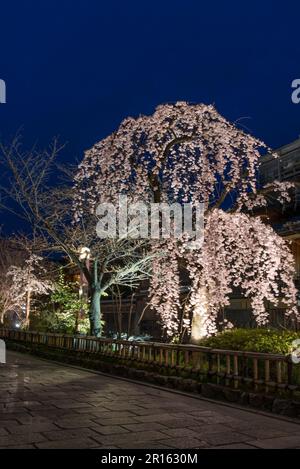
{"points": [[258, 371]]}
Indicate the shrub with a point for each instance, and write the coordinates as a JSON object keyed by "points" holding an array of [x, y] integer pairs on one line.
{"points": [[254, 340], [63, 311]]}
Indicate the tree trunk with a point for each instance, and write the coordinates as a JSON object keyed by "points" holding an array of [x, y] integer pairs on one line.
{"points": [[95, 310], [136, 329], [28, 302], [76, 322], [200, 316], [130, 316], [95, 313]]}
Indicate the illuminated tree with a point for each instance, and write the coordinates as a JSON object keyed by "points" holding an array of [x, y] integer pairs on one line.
{"points": [[28, 281], [23, 276], [8, 256], [190, 153]]}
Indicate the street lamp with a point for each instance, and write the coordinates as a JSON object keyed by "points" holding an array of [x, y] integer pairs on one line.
{"points": [[84, 256], [84, 253]]}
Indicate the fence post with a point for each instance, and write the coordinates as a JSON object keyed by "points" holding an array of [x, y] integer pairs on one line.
{"points": [[245, 367]]}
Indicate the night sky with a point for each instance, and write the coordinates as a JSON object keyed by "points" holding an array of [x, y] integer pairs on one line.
{"points": [[77, 68]]}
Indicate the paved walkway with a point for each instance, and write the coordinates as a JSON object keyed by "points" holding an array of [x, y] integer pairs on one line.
{"points": [[44, 405]]}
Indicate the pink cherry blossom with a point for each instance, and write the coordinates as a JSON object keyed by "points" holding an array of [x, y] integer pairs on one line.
{"points": [[190, 153]]}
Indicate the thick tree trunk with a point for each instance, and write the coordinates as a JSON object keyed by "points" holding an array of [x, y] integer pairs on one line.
{"points": [[95, 310], [95, 313], [200, 317]]}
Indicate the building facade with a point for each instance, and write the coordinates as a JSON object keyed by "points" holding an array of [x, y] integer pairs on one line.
{"points": [[285, 219]]}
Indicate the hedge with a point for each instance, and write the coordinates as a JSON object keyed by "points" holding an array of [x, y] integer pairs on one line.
{"points": [[254, 340]]}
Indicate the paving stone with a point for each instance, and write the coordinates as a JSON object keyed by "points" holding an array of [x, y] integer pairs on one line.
{"points": [[73, 443], [68, 434], [184, 443], [146, 445], [286, 442], [130, 438], [44, 405], [109, 430], [9, 400], [20, 439], [74, 423], [52, 413], [201, 429], [28, 404], [157, 418], [94, 401], [50, 396], [7, 421], [105, 447], [212, 419], [12, 413], [88, 410], [70, 404], [135, 427], [152, 412], [3, 432], [263, 425], [117, 421], [262, 433], [179, 423], [236, 446], [224, 438], [115, 407], [111, 415], [22, 447], [181, 432], [27, 429]]}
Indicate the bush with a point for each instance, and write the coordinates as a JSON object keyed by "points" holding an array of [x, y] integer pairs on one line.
{"points": [[254, 340], [63, 310]]}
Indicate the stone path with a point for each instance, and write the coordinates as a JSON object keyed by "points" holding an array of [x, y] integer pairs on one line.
{"points": [[44, 405]]}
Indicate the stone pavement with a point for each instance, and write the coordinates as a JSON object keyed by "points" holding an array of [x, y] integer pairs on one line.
{"points": [[44, 405]]}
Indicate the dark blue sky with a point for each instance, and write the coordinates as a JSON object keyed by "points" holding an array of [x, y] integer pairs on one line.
{"points": [[77, 68]]}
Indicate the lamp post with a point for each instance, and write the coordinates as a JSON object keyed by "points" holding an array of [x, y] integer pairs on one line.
{"points": [[84, 255]]}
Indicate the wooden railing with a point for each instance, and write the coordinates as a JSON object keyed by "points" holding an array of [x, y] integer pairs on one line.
{"points": [[258, 371]]}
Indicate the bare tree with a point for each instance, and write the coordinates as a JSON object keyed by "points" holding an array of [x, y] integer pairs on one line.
{"points": [[27, 192], [8, 256]]}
